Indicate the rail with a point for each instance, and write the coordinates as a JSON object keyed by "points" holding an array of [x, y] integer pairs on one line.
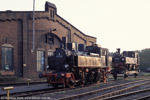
{"points": [[130, 93], [100, 90]]}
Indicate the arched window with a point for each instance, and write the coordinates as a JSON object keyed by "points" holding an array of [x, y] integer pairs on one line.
{"points": [[7, 57], [53, 39]]}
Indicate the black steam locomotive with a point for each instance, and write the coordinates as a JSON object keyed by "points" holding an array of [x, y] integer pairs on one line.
{"points": [[71, 66], [126, 63]]}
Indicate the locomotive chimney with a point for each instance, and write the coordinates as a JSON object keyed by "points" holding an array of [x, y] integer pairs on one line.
{"points": [[118, 51]]}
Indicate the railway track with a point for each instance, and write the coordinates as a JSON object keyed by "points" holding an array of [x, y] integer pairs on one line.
{"points": [[36, 92], [105, 92], [53, 91], [48, 90], [135, 95]]}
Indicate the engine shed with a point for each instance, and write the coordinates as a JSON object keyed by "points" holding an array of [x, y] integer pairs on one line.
{"points": [[17, 56]]}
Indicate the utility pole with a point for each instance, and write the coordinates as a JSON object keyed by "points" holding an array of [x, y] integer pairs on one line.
{"points": [[33, 26]]}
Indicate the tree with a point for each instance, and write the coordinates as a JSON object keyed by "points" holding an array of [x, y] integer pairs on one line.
{"points": [[144, 59]]}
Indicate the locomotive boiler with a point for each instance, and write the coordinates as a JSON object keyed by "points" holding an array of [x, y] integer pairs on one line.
{"points": [[126, 63], [77, 66]]}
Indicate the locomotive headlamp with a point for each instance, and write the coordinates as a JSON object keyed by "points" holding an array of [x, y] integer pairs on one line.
{"points": [[123, 59], [66, 65]]}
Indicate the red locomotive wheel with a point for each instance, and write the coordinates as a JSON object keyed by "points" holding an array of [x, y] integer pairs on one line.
{"points": [[69, 83]]}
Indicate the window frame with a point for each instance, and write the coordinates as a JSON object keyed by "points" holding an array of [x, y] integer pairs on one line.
{"points": [[8, 54], [40, 60]]}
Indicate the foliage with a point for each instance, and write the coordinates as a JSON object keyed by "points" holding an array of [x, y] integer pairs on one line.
{"points": [[144, 59], [110, 53]]}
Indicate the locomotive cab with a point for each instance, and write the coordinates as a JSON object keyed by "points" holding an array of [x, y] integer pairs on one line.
{"points": [[102, 52]]}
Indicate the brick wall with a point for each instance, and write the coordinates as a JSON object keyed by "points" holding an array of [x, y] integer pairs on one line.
{"points": [[11, 33]]}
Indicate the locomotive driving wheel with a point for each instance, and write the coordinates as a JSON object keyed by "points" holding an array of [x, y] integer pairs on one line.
{"points": [[69, 83]]}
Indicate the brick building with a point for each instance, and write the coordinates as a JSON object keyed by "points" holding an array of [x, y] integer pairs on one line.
{"points": [[16, 40]]}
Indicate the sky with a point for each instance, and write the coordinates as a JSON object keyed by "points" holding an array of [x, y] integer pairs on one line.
{"points": [[121, 24]]}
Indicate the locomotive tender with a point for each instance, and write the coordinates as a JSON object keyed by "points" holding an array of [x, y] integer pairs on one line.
{"points": [[72, 66], [126, 63]]}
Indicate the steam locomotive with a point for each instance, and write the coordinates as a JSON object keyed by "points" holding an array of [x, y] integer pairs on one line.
{"points": [[72, 66], [126, 63]]}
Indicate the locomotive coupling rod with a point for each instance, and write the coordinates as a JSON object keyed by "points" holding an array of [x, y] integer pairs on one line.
{"points": [[7, 90]]}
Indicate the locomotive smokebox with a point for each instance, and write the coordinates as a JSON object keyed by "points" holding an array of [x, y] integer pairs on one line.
{"points": [[118, 50]]}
